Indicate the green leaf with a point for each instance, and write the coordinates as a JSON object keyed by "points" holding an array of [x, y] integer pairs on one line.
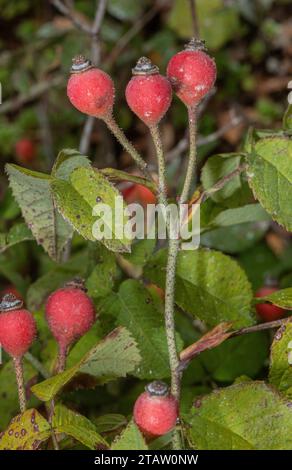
{"points": [[236, 191], [235, 238], [56, 277], [115, 356], [245, 355], [130, 439], [135, 309], [25, 432], [270, 177], [17, 234], [75, 425], [217, 22], [76, 200], [281, 298], [101, 280], [287, 119], [118, 175], [141, 252], [33, 194], [240, 215], [9, 403], [110, 422], [281, 360], [67, 161], [209, 285], [249, 415]]}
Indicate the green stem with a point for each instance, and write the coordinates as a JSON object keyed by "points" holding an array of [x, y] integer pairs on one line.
{"points": [[169, 284], [62, 356], [61, 364], [120, 136], [162, 190], [20, 383], [192, 110], [170, 279]]}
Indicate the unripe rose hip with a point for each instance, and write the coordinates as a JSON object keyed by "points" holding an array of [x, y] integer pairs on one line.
{"points": [[70, 313], [25, 150], [17, 327], [192, 73], [148, 93], [268, 312], [90, 89], [156, 410]]}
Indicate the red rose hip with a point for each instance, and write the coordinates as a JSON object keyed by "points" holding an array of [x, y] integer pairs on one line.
{"points": [[25, 150], [148, 93], [268, 312], [192, 73], [70, 313], [156, 410], [17, 327], [90, 89], [139, 194]]}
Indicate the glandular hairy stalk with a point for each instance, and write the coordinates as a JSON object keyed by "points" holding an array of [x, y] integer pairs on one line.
{"points": [[128, 146], [17, 361]]}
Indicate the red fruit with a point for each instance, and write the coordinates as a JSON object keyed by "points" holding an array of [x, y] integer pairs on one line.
{"points": [[70, 313], [192, 73], [268, 312], [139, 194], [89, 89], [148, 93], [156, 411], [25, 150], [17, 327]]}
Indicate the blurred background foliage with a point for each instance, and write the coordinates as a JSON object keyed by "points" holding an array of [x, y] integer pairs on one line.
{"points": [[251, 41]]}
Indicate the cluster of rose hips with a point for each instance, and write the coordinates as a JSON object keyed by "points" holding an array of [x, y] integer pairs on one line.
{"points": [[70, 314], [191, 74]]}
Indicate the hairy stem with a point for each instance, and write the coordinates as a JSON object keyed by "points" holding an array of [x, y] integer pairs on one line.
{"points": [[61, 364], [162, 191], [62, 356], [120, 136], [192, 110], [173, 250], [173, 246], [20, 383]]}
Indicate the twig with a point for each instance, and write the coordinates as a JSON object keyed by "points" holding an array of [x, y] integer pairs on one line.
{"points": [[86, 135], [99, 15], [183, 143], [47, 138], [260, 327], [37, 365], [35, 92], [184, 362], [95, 56], [234, 122], [131, 33], [194, 18], [72, 16], [221, 183]]}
